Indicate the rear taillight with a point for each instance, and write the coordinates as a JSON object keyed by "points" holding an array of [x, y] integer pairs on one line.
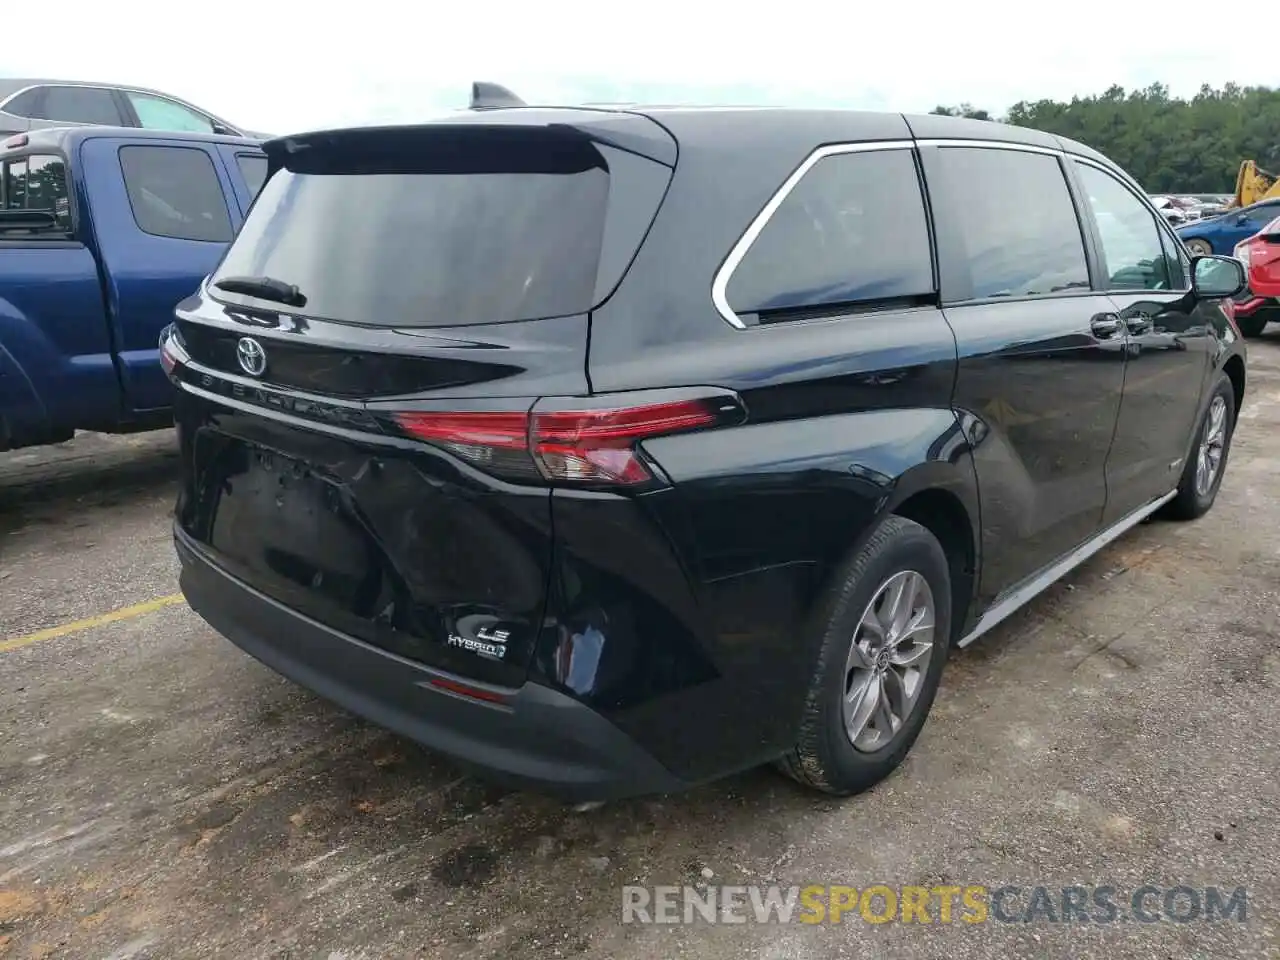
{"points": [[572, 441], [496, 442], [599, 446]]}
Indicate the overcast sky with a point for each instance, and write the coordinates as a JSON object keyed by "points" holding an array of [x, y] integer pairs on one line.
{"points": [[278, 67]]}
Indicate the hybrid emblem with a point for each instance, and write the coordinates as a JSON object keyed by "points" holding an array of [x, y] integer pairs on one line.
{"points": [[253, 359], [490, 641]]}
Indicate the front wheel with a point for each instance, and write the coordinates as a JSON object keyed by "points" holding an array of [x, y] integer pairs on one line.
{"points": [[1198, 247], [886, 631], [1202, 473]]}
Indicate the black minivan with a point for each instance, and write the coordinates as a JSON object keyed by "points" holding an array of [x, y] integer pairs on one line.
{"points": [[610, 451]]}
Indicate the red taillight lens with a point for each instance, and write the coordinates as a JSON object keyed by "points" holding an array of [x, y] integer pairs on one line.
{"points": [[497, 442], [599, 446], [588, 446]]}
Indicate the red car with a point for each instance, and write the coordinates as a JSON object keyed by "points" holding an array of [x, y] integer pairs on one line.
{"points": [[1259, 304]]}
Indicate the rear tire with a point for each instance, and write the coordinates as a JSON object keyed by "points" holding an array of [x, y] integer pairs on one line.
{"points": [[1198, 247], [1252, 326], [1197, 490], [827, 755]]}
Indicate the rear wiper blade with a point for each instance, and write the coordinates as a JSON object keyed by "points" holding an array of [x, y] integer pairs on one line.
{"points": [[264, 288]]}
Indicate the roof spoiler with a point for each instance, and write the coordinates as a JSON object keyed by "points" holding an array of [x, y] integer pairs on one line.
{"points": [[492, 96]]}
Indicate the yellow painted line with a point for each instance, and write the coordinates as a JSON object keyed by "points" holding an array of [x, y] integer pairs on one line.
{"points": [[88, 623]]}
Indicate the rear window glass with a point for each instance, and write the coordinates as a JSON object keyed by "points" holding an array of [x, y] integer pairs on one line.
{"points": [[446, 236], [35, 183]]}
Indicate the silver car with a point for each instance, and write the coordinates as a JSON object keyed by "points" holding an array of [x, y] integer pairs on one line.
{"points": [[36, 104]]}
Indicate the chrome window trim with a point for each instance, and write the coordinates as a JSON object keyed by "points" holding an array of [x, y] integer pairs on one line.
{"points": [[14, 96], [994, 145], [720, 282]]}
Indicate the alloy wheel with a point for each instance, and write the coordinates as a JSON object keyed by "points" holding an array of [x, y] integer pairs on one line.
{"points": [[888, 660], [1209, 456]]}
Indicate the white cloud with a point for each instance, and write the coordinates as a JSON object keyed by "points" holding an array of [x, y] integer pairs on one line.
{"points": [[271, 66]]}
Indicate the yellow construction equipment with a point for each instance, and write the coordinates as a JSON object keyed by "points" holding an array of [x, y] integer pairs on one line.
{"points": [[1254, 184]]}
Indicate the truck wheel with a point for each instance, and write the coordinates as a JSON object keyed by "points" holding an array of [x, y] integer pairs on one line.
{"points": [[886, 632], [1198, 247], [1202, 473]]}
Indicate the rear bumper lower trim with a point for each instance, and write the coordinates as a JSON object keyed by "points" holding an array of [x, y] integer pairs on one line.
{"points": [[539, 739]]}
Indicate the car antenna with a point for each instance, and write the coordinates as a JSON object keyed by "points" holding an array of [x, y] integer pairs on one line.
{"points": [[493, 96]]}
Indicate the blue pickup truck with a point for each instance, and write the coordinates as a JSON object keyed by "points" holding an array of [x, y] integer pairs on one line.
{"points": [[102, 232]]}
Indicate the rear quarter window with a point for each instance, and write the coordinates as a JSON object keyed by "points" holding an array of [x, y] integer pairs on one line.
{"points": [[851, 231], [175, 192], [25, 104]]}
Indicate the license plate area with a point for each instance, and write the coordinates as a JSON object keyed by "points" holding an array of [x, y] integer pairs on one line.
{"points": [[278, 516]]}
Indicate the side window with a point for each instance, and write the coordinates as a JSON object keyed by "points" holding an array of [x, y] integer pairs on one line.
{"points": [[80, 105], [25, 104], [175, 192], [253, 167], [157, 113], [38, 183], [15, 184], [1179, 261], [852, 230], [1017, 220], [1263, 214], [1135, 255]]}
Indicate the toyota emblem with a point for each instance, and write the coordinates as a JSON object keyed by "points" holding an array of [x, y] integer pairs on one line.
{"points": [[253, 359]]}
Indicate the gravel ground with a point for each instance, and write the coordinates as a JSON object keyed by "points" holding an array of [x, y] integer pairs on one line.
{"points": [[163, 795]]}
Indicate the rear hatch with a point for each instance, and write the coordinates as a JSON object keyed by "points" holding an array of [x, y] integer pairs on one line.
{"points": [[360, 374]]}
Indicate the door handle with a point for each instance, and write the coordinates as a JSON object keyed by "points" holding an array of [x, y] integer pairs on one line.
{"points": [[1105, 325], [1139, 323]]}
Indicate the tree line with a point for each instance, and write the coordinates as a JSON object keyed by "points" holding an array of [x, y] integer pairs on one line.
{"points": [[1168, 144]]}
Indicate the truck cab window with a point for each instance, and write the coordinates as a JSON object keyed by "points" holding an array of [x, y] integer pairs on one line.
{"points": [[37, 183], [175, 192], [253, 167]]}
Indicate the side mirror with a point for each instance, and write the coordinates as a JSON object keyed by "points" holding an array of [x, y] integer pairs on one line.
{"points": [[1216, 277]]}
